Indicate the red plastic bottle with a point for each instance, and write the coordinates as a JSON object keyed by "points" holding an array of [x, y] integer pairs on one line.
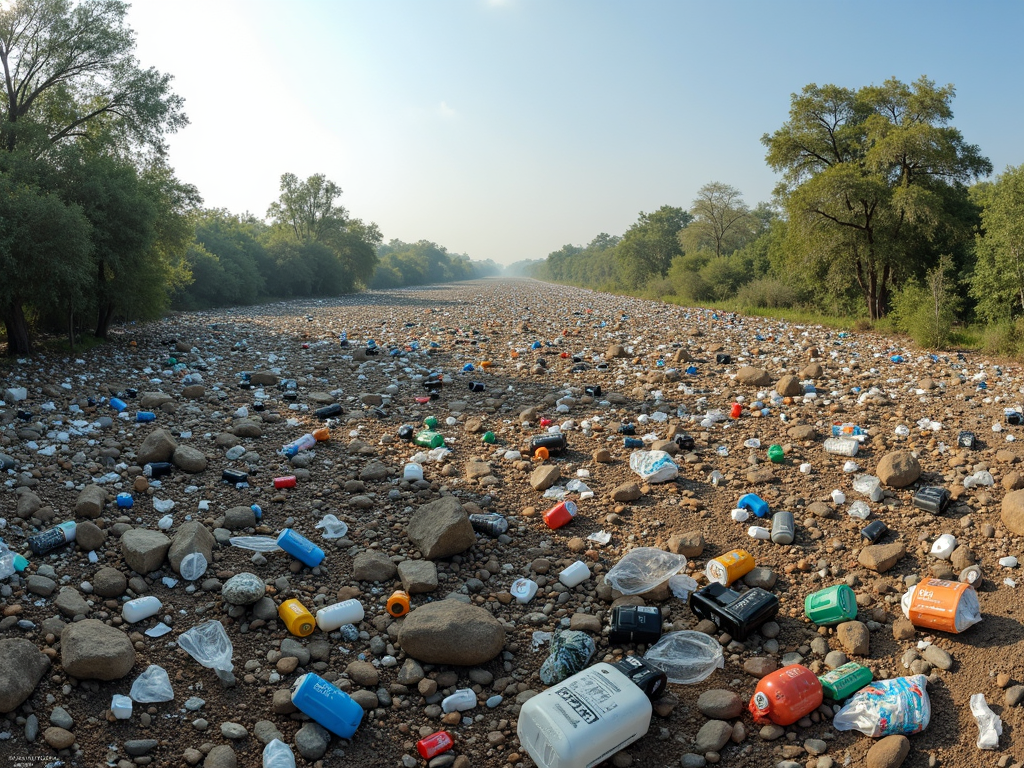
{"points": [[560, 514], [434, 744], [786, 695], [287, 481], [737, 410]]}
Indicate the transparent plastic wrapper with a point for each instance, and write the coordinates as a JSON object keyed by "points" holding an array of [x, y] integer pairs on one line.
{"points": [[6, 562], [151, 686], [949, 606], [653, 466], [687, 656], [193, 565], [682, 586], [333, 527], [842, 446], [210, 645], [570, 652], [642, 569], [277, 754], [859, 509], [887, 707], [255, 543], [868, 485], [990, 725]]}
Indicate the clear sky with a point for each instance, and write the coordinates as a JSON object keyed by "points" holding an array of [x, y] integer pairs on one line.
{"points": [[507, 128]]}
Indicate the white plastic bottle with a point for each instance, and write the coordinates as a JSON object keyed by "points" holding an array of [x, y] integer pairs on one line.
{"points": [[460, 701], [523, 590], [140, 608], [412, 472], [339, 614], [574, 574], [841, 446]]}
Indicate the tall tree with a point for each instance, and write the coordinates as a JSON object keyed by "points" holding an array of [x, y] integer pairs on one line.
{"points": [[649, 245], [308, 208], [869, 177], [998, 282], [722, 222]]}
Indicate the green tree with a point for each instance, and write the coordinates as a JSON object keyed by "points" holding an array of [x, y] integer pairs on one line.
{"points": [[926, 309], [648, 247], [308, 208], [998, 281], [721, 221], [869, 178]]}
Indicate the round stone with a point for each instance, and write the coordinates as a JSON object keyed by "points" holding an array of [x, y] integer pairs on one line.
{"points": [[243, 589]]}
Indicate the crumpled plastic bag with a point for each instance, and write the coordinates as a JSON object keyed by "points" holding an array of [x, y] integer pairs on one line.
{"points": [[642, 569], [686, 656], [333, 527], [210, 645], [990, 725], [887, 707], [151, 686], [570, 652], [653, 466]]}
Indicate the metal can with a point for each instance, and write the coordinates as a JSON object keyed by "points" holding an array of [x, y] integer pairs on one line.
{"points": [[157, 469], [53, 538], [560, 514], [731, 566], [288, 481], [555, 443], [593, 391], [434, 744], [845, 680], [833, 605], [783, 528], [296, 617]]}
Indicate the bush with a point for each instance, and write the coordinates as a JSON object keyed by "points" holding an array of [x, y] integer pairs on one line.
{"points": [[767, 292], [926, 311], [1002, 338]]}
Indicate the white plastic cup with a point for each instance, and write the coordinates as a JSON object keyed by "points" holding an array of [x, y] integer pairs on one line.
{"points": [[575, 574], [460, 701], [944, 546], [523, 590], [121, 706], [757, 532], [339, 614], [140, 608], [412, 473]]}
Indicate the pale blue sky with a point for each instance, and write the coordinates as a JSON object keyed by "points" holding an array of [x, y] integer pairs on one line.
{"points": [[507, 128]]}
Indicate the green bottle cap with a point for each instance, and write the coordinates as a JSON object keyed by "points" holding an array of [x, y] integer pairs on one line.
{"points": [[488, 437], [776, 454], [833, 605], [843, 681], [430, 421]]}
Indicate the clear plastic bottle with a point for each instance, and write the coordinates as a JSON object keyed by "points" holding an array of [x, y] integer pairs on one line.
{"points": [[841, 446], [304, 443]]}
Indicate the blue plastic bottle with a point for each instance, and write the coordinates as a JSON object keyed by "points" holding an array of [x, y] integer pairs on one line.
{"points": [[118, 404], [143, 416], [329, 706], [125, 501], [301, 548], [754, 504]]}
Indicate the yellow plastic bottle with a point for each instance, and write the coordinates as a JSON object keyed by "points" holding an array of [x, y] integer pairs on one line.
{"points": [[300, 622]]}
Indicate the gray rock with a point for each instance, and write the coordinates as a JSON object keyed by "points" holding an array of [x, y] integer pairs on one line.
{"points": [[366, 699], [362, 673], [441, 529], [691, 760], [372, 565], [292, 647], [70, 603], [60, 718], [720, 704], [89, 536], [188, 459], [233, 731], [243, 589], [374, 472], [712, 736], [898, 469], [418, 576], [264, 608], [1014, 695], [28, 503], [411, 673], [626, 492], [451, 632], [266, 731], [760, 577], [221, 756], [139, 747], [191, 537], [31, 728], [834, 659], [263, 378], [144, 550], [109, 582], [22, 666], [237, 518], [937, 657], [854, 637], [91, 501], [40, 585], [159, 445], [90, 649], [758, 377], [312, 741], [545, 476], [689, 544]]}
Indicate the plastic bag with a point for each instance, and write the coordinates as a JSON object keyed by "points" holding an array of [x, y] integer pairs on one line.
{"points": [[333, 527], [210, 645], [887, 707], [570, 652], [192, 566], [642, 569], [687, 656], [990, 725], [255, 543], [653, 466], [277, 754], [151, 686]]}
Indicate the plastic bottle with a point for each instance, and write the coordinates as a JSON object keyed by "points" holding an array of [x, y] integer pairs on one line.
{"points": [[490, 523], [754, 503], [157, 469], [288, 481], [729, 567], [832, 605], [840, 446], [332, 708], [299, 547], [141, 608], [277, 754], [616, 699], [53, 538], [427, 438], [10, 562], [574, 574], [560, 514], [304, 443], [297, 618], [434, 744], [783, 528], [786, 695], [334, 616], [412, 472], [398, 603], [776, 454], [523, 590]]}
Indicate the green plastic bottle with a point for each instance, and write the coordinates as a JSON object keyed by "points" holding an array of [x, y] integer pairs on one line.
{"points": [[833, 605], [429, 439], [776, 455], [843, 681], [488, 437], [430, 422]]}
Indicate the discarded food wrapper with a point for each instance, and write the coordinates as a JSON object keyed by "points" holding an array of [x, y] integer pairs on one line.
{"points": [[990, 725], [600, 537], [642, 569], [653, 466], [887, 707], [686, 656], [948, 606], [151, 686], [333, 527], [571, 650]]}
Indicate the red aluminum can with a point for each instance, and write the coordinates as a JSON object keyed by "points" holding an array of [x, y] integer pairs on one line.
{"points": [[560, 514], [545, 422], [737, 410], [285, 482], [434, 744]]}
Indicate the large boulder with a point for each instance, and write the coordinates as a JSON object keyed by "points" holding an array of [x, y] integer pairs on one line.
{"points": [[757, 377], [144, 550], [451, 632], [90, 649], [158, 446], [1012, 513], [441, 529], [898, 469], [189, 459], [22, 666], [91, 501], [789, 386], [191, 537]]}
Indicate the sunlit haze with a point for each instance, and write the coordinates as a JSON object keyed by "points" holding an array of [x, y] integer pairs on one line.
{"points": [[507, 128]]}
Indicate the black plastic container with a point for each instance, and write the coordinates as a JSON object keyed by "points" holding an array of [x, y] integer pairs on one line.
{"points": [[737, 613], [636, 624]]}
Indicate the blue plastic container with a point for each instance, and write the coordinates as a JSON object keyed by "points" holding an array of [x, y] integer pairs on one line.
{"points": [[118, 404], [753, 503], [329, 706], [142, 416], [301, 548], [125, 501]]}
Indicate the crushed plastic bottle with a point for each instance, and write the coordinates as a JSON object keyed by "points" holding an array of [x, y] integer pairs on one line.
{"points": [[841, 446]]}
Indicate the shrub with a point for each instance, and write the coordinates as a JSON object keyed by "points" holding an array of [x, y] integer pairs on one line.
{"points": [[768, 292]]}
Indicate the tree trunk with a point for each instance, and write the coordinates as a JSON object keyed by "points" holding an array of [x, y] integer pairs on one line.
{"points": [[18, 340], [71, 329], [872, 294], [104, 315]]}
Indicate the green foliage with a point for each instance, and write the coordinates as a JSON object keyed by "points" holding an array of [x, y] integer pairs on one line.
{"points": [[926, 310], [423, 262], [721, 221], [767, 293], [648, 247], [998, 280], [590, 266]]}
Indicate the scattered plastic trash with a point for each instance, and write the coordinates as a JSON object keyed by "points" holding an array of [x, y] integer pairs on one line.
{"points": [[686, 656], [152, 686], [859, 509], [653, 466], [948, 606], [333, 528], [210, 645], [887, 707], [571, 650], [277, 754], [192, 566], [990, 725], [255, 543], [642, 569], [121, 706], [842, 446]]}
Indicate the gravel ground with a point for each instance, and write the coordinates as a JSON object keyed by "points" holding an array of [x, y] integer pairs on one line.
{"points": [[62, 445]]}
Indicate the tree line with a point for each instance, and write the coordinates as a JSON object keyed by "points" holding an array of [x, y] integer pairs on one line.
{"points": [[96, 227], [883, 211]]}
